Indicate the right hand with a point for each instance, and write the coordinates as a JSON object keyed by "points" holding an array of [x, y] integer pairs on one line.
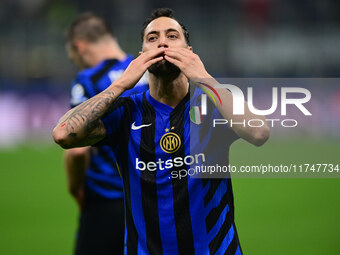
{"points": [[138, 67]]}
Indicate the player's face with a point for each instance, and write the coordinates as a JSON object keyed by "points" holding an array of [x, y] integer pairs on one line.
{"points": [[76, 57], [163, 32]]}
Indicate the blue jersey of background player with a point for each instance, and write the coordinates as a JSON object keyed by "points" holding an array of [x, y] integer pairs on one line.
{"points": [[102, 175], [93, 173]]}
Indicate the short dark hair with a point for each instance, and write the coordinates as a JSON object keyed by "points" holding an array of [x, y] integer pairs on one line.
{"points": [[89, 27], [164, 12]]}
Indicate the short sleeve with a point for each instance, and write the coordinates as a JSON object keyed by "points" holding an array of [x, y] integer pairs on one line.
{"points": [[224, 132], [115, 121]]}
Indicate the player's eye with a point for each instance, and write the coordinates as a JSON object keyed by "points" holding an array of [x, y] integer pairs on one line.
{"points": [[152, 38], [172, 36]]}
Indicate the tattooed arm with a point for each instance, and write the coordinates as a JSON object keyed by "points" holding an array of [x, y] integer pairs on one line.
{"points": [[82, 125]]}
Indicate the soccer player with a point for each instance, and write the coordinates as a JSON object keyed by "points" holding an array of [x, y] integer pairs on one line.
{"points": [[92, 173], [167, 212]]}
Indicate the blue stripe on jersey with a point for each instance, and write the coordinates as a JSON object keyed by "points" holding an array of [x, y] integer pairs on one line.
{"points": [[105, 168], [108, 179], [112, 194], [238, 251]]}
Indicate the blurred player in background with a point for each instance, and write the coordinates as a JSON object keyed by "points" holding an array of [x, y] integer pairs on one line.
{"points": [[93, 173]]}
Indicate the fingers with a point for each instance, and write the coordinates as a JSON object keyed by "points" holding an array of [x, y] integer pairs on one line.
{"points": [[173, 61], [150, 57], [180, 57], [147, 56], [174, 55], [187, 61], [152, 61], [179, 53]]}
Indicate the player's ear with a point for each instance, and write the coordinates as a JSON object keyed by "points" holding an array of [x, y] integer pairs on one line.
{"points": [[80, 45]]}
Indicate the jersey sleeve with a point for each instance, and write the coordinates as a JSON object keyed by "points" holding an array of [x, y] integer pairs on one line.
{"points": [[115, 121], [224, 132]]}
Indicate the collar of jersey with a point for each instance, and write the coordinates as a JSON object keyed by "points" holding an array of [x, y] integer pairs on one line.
{"points": [[128, 58], [163, 107], [91, 70]]}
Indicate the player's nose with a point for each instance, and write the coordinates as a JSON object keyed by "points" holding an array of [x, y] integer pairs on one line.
{"points": [[162, 42]]}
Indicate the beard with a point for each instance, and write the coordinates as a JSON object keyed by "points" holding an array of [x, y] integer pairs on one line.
{"points": [[164, 68]]}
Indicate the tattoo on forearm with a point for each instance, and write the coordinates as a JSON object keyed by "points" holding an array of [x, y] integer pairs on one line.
{"points": [[86, 116]]}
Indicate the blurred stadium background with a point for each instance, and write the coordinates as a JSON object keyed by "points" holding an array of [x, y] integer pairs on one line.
{"points": [[234, 38]]}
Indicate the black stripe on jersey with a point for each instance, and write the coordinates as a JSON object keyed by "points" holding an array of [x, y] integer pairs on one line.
{"points": [[205, 182], [214, 183], [215, 213], [148, 181], [95, 168], [132, 235], [185, 241], [218, 239], [98, 75]]}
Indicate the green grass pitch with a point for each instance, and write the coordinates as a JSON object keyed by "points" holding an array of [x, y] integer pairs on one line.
{"points": [[273, 216]]}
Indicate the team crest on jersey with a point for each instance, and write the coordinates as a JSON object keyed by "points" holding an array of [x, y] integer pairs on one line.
{"points": [[170, 142], [78, 94]]}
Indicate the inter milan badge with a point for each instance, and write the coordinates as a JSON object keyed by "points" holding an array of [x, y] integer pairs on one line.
{"points": [[170, 142]]}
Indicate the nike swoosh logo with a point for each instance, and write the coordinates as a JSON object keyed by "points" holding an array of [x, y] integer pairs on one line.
{"points": [[133, 127]]}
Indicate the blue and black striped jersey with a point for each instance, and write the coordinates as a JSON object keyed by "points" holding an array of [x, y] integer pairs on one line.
{"points": [[102, 176], [168, 210]]}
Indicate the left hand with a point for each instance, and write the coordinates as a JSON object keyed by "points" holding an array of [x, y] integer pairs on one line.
{"points": [[188, 62]]}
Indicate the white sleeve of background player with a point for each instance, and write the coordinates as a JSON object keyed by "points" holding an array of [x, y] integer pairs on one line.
{"points": [[144, 80], [77, 94]]}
